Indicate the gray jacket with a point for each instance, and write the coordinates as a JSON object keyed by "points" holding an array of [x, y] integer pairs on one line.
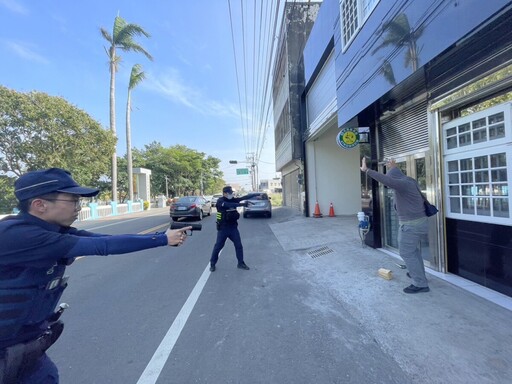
{"points": [[408, 200]]}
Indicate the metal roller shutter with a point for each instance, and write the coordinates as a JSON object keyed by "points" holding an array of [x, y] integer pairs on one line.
{"points": [[405, 131]]}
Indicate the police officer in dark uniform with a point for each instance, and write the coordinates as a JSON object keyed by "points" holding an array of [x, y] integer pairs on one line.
{"points": [[227, 225], [36, 247]]}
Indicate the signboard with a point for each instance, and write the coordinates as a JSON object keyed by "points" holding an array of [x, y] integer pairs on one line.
{"points": [[364, 135], [242, 171], [348, 138]]}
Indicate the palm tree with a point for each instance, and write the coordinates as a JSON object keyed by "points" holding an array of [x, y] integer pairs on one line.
{"points": [[122, 38], [135, 78], [398, 32]]}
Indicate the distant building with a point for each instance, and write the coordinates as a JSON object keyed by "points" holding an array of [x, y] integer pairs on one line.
{"points": [[271, 185], [288, 86]]}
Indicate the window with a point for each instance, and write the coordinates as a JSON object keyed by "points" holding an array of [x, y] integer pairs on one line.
{"points": [[479, 130], [353, 15], [478, 170]]}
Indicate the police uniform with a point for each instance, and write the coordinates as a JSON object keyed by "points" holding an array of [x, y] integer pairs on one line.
{"points": [[227, 227], [33, 259]]}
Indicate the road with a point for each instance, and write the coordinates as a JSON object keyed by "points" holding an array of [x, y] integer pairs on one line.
{"points": [[259, 326]]}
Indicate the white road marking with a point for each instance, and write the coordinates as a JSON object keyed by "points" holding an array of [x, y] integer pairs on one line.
{"points": [[162, 353], [121, 222], [157, 362]]}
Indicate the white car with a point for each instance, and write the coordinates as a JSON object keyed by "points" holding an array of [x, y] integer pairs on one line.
{"points": [[215, 198]]}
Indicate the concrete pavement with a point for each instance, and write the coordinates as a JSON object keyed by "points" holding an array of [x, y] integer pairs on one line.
{"points": [[456, 333]]}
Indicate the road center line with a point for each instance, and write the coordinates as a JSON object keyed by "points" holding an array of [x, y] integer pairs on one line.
{"points": [[157, 362]]}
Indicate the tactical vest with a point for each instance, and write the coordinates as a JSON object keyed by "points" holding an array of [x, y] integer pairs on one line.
{"points": [[230, 216], [28, 296]]}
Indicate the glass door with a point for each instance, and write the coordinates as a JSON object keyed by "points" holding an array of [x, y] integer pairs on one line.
{"points": [[420, 171], [415, 167], [390, 218]]}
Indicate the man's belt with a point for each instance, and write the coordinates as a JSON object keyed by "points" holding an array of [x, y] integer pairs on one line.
{"points": [[22, 357]]}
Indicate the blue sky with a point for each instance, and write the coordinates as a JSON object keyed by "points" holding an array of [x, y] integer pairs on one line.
{"points": [[190, 96]]}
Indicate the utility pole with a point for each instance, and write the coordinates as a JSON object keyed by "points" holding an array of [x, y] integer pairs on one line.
{"points": [[166, 188], [254, 169]]}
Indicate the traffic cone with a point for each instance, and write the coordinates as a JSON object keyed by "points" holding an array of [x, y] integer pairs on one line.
{"points": [[331, 211], [317, 211]]}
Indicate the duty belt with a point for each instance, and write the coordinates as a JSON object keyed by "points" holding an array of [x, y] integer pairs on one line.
{"points": [[22, 357]]}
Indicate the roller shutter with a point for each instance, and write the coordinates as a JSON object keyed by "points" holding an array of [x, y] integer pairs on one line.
{"points": [[405, 131]]}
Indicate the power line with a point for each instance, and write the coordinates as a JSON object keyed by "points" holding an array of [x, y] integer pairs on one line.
{"points": [[258, 96]]}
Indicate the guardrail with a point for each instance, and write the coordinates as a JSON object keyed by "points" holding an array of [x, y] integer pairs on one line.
{"points": [[94, 211]]}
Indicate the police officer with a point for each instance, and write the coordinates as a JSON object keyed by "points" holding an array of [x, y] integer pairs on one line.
{"points": [[227, 225], [36, 247]]}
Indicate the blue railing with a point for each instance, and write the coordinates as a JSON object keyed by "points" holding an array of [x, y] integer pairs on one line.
{"points": [[93, 211]]}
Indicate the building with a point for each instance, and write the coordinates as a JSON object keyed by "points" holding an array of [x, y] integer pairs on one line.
{"points": [[271, 185], [431, 82], [288, 85]]}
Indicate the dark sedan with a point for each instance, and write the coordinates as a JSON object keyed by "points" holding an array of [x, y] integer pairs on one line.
{"points": [[190, 206]]}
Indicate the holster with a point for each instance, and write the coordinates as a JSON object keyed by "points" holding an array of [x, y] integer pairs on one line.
{"points": [[22, 357]]}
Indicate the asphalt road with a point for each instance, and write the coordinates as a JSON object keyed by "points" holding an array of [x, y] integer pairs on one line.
{"points": [[258, 326]]}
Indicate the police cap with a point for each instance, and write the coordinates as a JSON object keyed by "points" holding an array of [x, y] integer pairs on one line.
{"points": [[227, 189], [39, 183]]}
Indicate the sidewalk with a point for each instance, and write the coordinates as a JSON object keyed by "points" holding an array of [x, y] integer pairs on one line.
{"points": [[448, 335]]}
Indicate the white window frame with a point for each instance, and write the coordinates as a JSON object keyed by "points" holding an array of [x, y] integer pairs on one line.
{"points": [[363, 9], [465, 135]]}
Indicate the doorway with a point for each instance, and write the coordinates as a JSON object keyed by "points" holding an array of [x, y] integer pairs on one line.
{"points": [[415, 167]]}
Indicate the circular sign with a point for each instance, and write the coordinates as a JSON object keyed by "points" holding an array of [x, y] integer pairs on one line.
{"points": [[348, 138]]}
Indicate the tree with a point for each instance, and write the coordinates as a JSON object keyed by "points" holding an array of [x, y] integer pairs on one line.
{"points": [[122, 38], [398, 33], [136, 77], [187, 170], [39, 131]]}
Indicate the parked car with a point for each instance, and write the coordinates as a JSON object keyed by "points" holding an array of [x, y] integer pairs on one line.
{"points": [[215, 198], [190, 206], [261, 205]]}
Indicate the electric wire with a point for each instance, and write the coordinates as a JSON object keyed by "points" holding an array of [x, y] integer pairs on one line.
{"points": [[258, 96]]}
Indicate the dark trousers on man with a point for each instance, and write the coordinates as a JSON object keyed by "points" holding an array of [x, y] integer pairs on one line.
{"points": [[228, 232], [44, 371]]}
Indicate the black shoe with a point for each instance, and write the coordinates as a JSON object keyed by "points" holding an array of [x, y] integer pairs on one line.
{"points": [[414, 289], [243, 266], [212, 267], [408, 275]]}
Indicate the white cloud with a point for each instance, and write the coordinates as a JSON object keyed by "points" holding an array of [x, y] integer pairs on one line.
{"points": [[24, 51], [173, 87], [14, 6]]}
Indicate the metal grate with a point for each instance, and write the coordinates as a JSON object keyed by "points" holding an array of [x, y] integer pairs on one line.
{"points": [[319, 252]]}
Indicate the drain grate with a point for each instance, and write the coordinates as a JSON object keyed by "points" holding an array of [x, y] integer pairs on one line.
{"points": [[319, 252]]}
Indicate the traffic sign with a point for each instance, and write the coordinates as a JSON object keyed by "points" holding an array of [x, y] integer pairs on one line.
{"points": [[242, 171]]}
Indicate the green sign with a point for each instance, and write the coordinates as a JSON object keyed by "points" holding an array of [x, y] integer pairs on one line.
{"points": [[242, 171]]}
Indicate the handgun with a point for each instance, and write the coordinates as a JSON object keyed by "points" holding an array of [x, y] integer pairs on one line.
{"points": [[195, 227]]}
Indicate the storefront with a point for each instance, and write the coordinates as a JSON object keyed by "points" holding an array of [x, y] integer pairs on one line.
{"points": [[454, 135]]}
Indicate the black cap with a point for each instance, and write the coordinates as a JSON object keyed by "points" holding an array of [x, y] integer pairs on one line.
{"points": [[227, 189], [38, 183]]}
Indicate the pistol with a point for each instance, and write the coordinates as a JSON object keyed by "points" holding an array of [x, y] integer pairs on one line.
{"points": [[195, 227]]}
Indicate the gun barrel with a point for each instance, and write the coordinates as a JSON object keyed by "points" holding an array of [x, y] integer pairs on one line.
{"points": [[195, 226]]}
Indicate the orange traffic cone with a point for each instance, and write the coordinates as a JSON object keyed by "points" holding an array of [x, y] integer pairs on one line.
{"points": [[317, 211], [331, 211]]}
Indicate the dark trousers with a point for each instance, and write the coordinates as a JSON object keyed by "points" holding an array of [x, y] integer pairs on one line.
{"points": [[228, 232], [45, 372]]}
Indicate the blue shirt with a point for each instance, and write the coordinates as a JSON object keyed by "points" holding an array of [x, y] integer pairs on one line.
{"points": [[28, 240], [33, 258]]}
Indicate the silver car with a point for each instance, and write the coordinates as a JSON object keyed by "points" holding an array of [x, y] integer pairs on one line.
{"points": [[190, 206], [261, 206]]}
